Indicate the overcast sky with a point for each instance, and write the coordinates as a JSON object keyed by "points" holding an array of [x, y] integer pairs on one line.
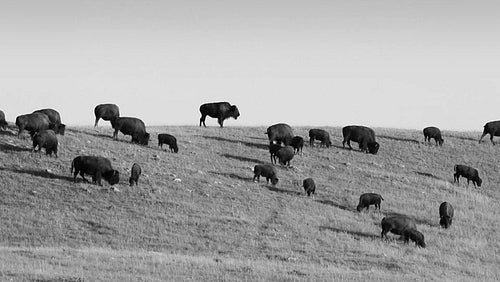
{"points": [[400, 64]]}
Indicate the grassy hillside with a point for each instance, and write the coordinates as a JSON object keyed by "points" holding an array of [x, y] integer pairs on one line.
{"points": [[197, 215]]}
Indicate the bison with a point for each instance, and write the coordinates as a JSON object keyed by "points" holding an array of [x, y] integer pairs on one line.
{"points": [[415, 236], [445, 214], [168, 139], [280, 133], [309, 186], [363, 135], [106, 112], [219, 110], [33, 123], [435, 133], [297, 143], [396, 224], [273, 149], [266, 170], [3, 122], [96, 166], [46, 139], [55, 120], [492, 128], [285, 155], [134, 175], [368, 199], [467, 172], [131, 126], [320, 135]]}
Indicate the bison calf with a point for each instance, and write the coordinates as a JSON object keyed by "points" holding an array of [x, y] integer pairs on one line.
{"points": [[446, 214], [46, 139], [368, 199], [168, 139], [97, 167], [285, 155], [134, 175], [273, 149], [415, 236], [297, 143], [435, 133], [309, 186], [467, 172], [268, 171], [320, 135]]}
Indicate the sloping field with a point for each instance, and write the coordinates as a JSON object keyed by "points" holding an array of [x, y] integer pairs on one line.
{"points": [[197, 215]]}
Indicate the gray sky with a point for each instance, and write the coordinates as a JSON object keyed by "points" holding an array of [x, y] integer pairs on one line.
{"points": [[402, 64]]}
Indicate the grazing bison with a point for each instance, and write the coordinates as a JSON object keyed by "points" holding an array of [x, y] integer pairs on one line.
{"points": [[45, 139], [368, 199], [445, 214], [33, 123], [273, 149], [396, 224], [267, 171], [435, 133], [280, 133], [297, 144], [467, 172], [493, 129], [134, 175], [363, 135], [131, 126], [168, 139], [415, 236], [3, 122], [97, 167], [106, 112], [309, 186], [320, 135], [219, 110], [55, 120], [285, 155]]}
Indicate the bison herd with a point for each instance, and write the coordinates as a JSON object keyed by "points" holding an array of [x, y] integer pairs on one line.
{"points": [[44, 125]]}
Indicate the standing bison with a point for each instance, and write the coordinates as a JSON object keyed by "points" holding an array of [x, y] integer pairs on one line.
{"points": [[97, 167], [415, 236], [368, 199], [309, 186], [134, 174], [106, 112], [467, 172], [219, 110], [280, 133], [171, 141], [363, 135], [285, 155], [33, 123], [404, 226], [434, 133], [3, 122], [445, 214], [55, 120], [131, 126], [297, 144], [267, 171], [320, 135], [493, 129], [45, 139]]}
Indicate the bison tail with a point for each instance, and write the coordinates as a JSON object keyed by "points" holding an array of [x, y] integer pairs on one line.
{"points": [[72, 165], [382, 198]]}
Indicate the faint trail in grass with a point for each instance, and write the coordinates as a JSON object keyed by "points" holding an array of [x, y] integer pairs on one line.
{"points": [[39, 173], [334, 204], [353, 233], [232, 175]]}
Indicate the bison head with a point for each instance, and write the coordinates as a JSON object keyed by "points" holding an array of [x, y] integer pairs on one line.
{"points": [[112, 176], [478, 181], [373, 147], [141, 139], [445, 221], [235, 113], [274, 180]]}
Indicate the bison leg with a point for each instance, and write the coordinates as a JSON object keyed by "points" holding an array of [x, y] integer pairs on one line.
{"points": [[115, 134], [491, 139], [74, 176], [82, 175], [202, 120], [220, 120], [96, 120], [311, 142], [256, 176], [456, 178]]}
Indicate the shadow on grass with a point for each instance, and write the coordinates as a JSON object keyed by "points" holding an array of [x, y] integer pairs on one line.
{"points": [[232, 175], [9, 147], [249, 144], [99, 228], [471, 139], [337, 205], [243, 159], [399, 139], [427, 174], [284, 191], [7, 133], [353, 233], [38, 173]]}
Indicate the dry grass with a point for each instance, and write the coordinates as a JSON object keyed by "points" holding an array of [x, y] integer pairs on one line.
{"points": [[216, 224]]}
